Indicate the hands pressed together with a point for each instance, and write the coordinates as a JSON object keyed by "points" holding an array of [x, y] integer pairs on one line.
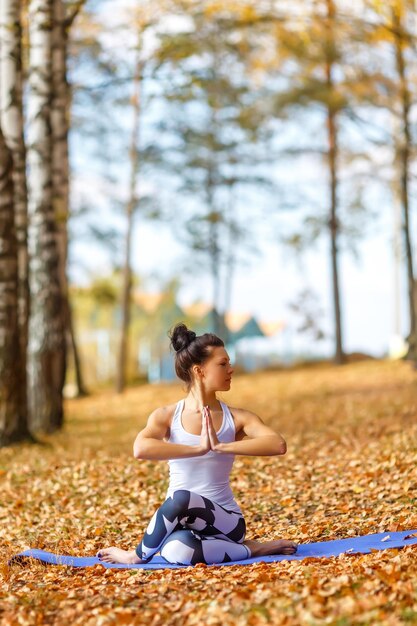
{"points": [[208, 438]]}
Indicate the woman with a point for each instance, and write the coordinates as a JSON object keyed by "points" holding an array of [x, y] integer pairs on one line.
{"points": [[200, 521]]}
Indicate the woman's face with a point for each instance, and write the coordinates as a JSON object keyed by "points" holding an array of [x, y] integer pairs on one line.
{"points": [[217, 370]]}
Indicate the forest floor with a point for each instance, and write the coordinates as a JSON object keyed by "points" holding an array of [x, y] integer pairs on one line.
{"points": [[350, 469]]}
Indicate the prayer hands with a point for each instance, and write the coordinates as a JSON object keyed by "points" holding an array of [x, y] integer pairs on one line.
{"points": [[205, 444], [215, 444]]}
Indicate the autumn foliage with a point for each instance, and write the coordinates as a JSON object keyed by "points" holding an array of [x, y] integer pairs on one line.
{"points": [[350, 469]]}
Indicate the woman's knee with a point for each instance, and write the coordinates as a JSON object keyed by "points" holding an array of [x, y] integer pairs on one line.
{"points": [[182, 548]]}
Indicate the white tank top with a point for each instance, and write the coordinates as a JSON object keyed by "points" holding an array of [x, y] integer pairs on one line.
{"points": [[207, 475]]}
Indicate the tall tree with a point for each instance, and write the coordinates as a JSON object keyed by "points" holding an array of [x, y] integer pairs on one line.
{"points": [[11, 120], [144, 17], [120, 83], [391, 40], [331, 55], [63, 18], [46, 326], [319, 72], [12, 427], [404, 156], [215, 136], [130, 210]]}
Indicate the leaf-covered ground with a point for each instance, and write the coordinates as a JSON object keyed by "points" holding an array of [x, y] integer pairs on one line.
{"points": [[350, 469]]}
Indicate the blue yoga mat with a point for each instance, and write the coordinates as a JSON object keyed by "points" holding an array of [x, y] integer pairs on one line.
{"points": [[352, 545]]}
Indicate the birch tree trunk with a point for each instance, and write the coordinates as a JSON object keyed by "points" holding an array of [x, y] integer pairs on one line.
{"points": [[339, 356], [130, 209], [334, 232], [11, 120], [10, 370], [404, 150], [46, 328]]}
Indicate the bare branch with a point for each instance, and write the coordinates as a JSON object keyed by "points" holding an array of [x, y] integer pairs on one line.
{"points": [[69, 20]]}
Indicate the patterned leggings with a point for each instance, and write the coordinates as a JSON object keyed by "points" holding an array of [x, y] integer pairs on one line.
{"points": [[189, 528]]}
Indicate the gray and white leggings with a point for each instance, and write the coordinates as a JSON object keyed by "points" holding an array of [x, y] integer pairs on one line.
{"points": [[189, 528]]}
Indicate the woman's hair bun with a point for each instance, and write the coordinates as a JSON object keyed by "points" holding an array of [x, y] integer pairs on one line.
{"points": [[181, 337]]}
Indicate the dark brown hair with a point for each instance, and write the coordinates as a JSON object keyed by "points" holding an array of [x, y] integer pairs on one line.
{"points": [[191, 350]]}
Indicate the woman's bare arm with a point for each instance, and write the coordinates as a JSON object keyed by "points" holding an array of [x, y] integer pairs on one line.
{"points": [[149, 442], [262, 440]]}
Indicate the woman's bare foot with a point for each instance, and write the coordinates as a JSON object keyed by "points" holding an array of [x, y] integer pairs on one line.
{"points": [[281, 546], [117, 555]]}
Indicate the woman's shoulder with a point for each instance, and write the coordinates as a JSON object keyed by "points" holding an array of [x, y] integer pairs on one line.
{"points": [[239, 412], [163, 416], [165, 413], [241, 416]]}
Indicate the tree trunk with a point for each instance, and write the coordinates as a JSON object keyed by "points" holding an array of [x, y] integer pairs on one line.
{"points": [[339, 356], [60, 116], [230, 264], [130, 209], [79, 379], [11, 120], [213, 248], [403, 155], [46, 327], [214, 217], [334, 231], [215, 272], [60, 162], [11, 425]]}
